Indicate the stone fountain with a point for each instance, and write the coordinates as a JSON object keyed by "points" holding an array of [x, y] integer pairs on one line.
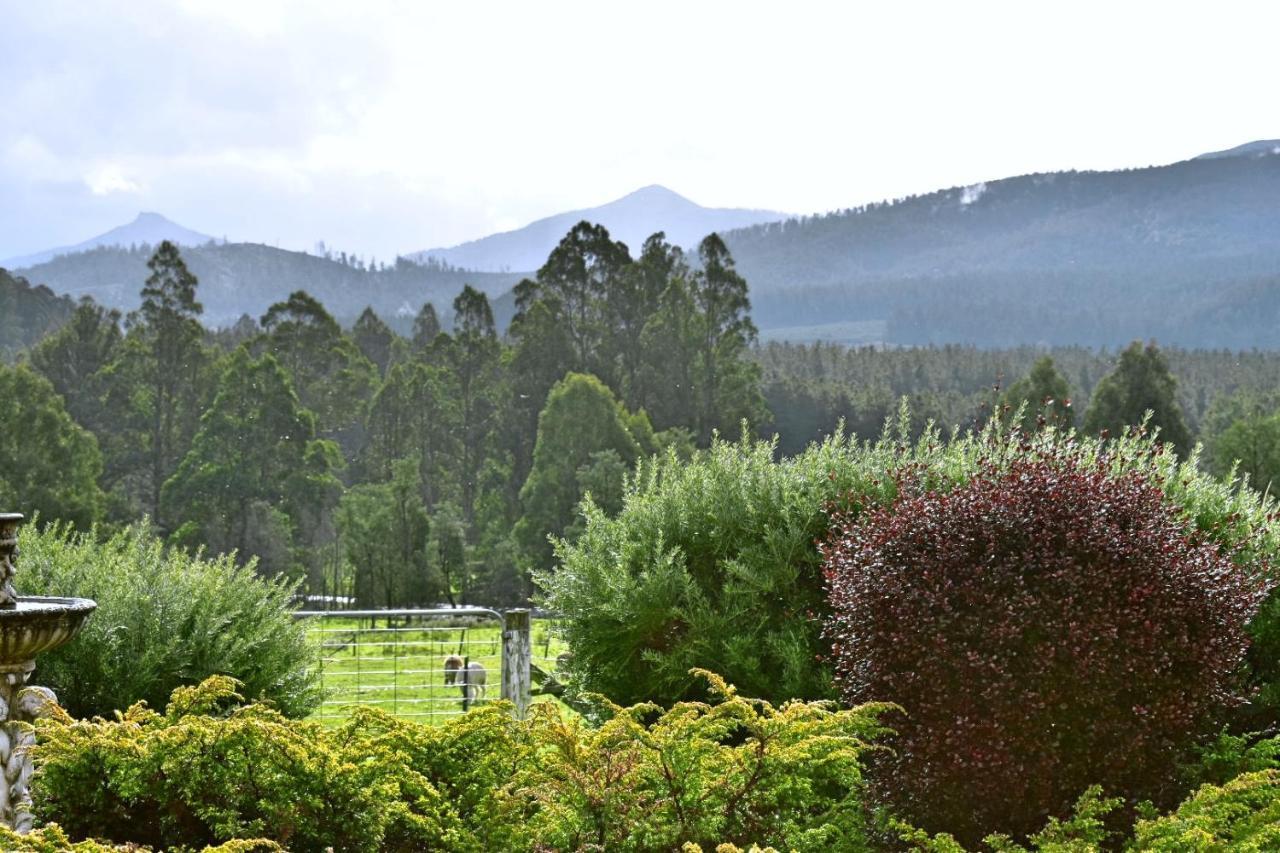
{"points": [[29, 625]]}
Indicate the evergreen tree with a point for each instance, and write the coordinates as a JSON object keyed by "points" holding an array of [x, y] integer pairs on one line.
{"points": [[1245, 413], [255, 463], [581, 424], [727, 379], [27, 314], [668, 387], [1141, 382], [48, 464], [384, 530], [374, 339], [415, 414], [499, 580], [332, 377], [426, 328], [242, 331], [632, 298], [447, 551], [157, 382], [74, 357], [1252, 445], [473, 355], [575, 282], [1044, 395], [536, 362]]}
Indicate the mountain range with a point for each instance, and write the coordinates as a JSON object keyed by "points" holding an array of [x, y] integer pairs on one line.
{"points": [[631, 219], [147, 229], [246, 278], [1187, 253]]}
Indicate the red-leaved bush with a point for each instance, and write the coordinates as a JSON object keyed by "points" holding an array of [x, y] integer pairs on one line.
{"points": [[1046, 626]]}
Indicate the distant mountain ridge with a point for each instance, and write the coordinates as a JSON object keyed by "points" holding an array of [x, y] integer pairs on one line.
{"points": [[246, 278], [1187, 253], [631, 219], [146, 229], [27, 313], [1261, 148]]}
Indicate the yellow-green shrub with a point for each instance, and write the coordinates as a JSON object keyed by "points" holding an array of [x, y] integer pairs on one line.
{"points": [[52, 839], [210, 770], [1242, 815], [737, 771]]}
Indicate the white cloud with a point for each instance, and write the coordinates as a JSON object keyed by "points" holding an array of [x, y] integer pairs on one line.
{"points": [[110, 179]]}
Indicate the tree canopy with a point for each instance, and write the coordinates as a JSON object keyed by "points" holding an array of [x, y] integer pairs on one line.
{"points": [[1140, 383], [48, 464], [585, 438]]}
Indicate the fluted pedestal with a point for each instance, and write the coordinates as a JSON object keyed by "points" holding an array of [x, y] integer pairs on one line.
{"points": [[28, 626]]}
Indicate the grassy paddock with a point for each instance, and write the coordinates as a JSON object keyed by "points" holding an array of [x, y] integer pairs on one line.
{"points": [[397, 664]]}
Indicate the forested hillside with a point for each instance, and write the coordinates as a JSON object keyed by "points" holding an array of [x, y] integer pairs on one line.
{"points": [[246, 278], [1187, 253], [27, 313]]}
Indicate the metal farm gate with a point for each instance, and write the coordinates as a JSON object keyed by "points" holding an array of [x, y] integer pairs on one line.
{"points": [[424, 664]]}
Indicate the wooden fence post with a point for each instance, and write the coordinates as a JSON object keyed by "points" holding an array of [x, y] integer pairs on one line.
{"points": [[516, 655], [466, 684]]}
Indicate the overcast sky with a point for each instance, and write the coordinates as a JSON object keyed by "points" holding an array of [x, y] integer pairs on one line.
{"points": [[386, 127]]}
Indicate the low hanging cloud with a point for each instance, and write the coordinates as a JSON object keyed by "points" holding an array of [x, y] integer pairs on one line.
{"points": [[110, 179]]}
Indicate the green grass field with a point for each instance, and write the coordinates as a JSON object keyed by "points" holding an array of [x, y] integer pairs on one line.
{"points": [[398, 664]]}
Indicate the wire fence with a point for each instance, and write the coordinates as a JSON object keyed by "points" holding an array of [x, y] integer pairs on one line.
{"points": [[550, 653], [426, 664]]}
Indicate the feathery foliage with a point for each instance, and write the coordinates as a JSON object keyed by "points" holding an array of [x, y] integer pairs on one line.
{"points": [[165, 618], [210, 770]]}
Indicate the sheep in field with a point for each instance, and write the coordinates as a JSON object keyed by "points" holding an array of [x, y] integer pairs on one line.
{"points": [[470, 677]]}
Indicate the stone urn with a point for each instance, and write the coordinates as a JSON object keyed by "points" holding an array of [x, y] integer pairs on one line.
{"points": [[29, 625]]}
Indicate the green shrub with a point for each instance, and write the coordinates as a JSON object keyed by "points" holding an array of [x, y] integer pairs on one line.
{"points": [[713, 562], [1085, 831], [165, 618], [52, 839], [1232, 755], [1242, 815], [739, 771]]}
